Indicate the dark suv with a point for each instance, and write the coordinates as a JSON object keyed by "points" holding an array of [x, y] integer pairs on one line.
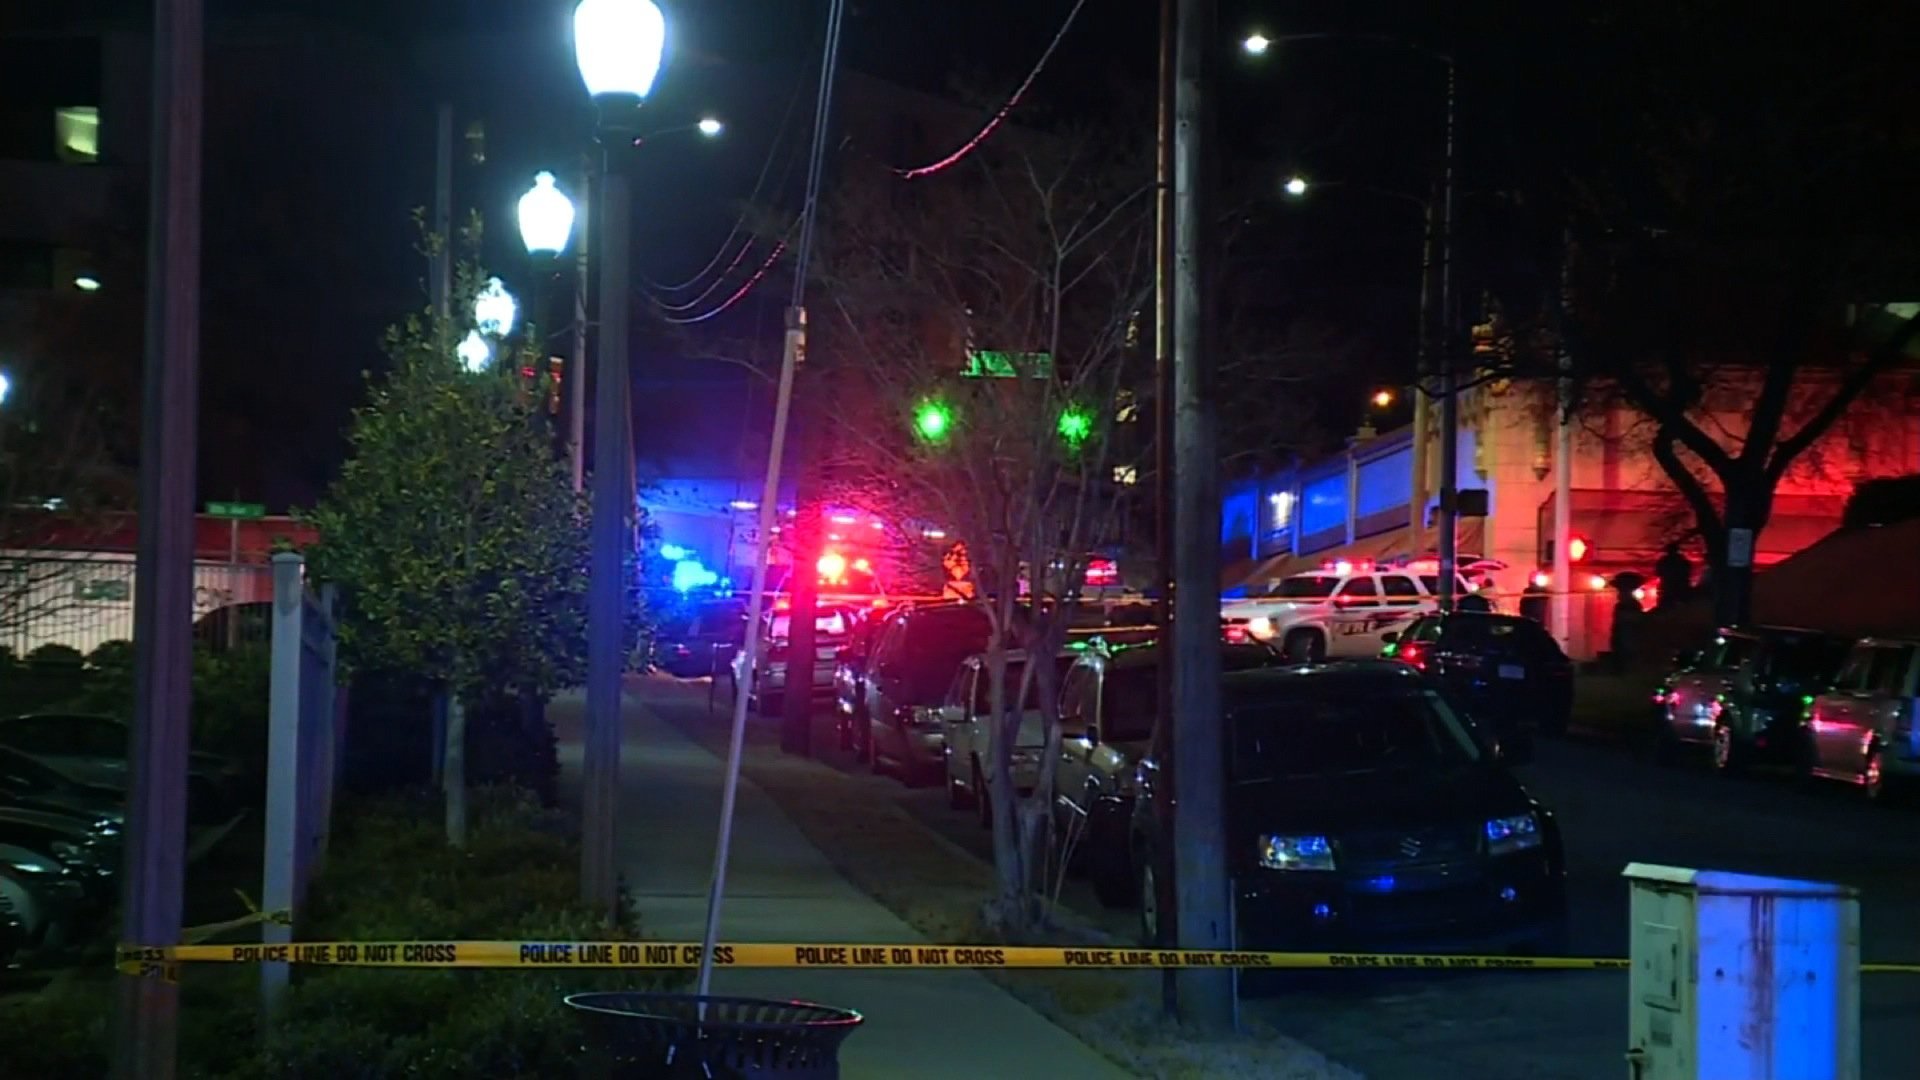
{"points": [[911, 664], [1364, 812], [1504, 669], [1743, 696]]}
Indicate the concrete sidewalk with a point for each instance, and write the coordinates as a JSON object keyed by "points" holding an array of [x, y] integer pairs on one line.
{"points": [[924, 1024]]}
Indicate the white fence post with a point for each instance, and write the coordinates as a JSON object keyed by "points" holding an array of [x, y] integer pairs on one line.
{"points": [[283, 764]]}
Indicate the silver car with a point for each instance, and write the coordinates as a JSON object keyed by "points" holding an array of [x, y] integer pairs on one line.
{"points": [[767, 685], [964, 720]]}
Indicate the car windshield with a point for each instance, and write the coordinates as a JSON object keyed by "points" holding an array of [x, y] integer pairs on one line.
{"points": [[1309, 587], [1499, 634], [1335, 733]]}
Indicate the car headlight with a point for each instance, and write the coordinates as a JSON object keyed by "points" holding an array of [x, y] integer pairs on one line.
{"points": [[1506, 835], [1296, 853], [1261, 627]]}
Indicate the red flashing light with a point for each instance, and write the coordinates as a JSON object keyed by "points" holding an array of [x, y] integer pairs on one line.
{"points": [[1413, 654], [879, 602], [782, 604], [1577, 549], [1102, 572]]}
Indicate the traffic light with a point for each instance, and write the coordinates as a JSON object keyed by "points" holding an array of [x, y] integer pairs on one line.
{"points": [[933, 420], [1076, 426]]}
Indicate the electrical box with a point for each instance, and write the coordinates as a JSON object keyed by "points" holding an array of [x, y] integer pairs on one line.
{"points": [[1739, 977]]}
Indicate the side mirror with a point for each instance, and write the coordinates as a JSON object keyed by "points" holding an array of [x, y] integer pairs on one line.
{"points": [[1092, 735], [1390, 637]]}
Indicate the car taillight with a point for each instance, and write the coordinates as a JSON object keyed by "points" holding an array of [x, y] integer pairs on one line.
{"points": [[1415, 655]]}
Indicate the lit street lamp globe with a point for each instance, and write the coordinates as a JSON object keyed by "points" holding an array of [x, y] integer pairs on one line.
{"points": [[710, 126], [494, 309], [1295, 186], [617, 45], [6, 387], [546, 217], [1256, 44], [474, 352]]}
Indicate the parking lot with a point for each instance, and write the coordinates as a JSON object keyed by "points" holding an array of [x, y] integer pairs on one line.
{"points": [[1615, 808]]}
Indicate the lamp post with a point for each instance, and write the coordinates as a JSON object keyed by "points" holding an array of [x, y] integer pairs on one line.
{"points": [[1257, 44], [618, 46], [494, 309], [546, 219]]}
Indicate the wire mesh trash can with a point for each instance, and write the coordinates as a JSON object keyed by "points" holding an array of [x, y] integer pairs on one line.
{"points": [[635, 1036]]}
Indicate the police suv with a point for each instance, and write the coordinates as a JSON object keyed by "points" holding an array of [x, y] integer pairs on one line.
{"points": [[1341, 610]]}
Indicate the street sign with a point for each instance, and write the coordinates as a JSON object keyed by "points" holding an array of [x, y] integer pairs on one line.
{"points": [[1739, 548], [236, 510]]}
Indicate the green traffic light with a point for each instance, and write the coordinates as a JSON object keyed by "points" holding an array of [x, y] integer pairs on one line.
{"points": [[1076, 425], [933, 420]]}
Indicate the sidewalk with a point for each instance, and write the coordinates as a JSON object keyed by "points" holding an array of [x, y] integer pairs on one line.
{"points": [[924, 1024]]}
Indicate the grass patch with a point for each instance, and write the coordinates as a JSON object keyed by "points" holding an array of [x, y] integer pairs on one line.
{"points": [[938, 888]]}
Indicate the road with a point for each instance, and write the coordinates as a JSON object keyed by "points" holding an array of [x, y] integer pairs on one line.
{"points": [[1614, 809]]}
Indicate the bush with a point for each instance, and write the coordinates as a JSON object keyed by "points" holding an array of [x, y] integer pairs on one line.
{"points": [[388, 876], [1885, 501]]}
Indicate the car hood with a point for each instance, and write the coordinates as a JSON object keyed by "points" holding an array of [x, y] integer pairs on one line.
{"points": [[1330, 805], [1262, 605]]}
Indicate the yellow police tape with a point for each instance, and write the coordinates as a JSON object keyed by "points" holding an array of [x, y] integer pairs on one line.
{"points": [[157, 960]]}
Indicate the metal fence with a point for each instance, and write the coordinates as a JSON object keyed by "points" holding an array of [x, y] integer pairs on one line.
{"points": [[85, 600]]}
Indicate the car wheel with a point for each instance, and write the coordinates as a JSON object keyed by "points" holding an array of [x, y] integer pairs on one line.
{"points": [[1726, 753], [1148, 890], [1109, 865], [1305, 647]]}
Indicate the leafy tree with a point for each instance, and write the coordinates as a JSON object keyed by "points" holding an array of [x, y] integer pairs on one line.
{"points": [[1027, 264], [455, 533]]}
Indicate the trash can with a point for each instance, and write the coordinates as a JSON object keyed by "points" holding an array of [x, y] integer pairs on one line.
{"points": [[636, 1036]]}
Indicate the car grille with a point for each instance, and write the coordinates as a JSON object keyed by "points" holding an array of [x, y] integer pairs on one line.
{"points": [[1391, 849]]}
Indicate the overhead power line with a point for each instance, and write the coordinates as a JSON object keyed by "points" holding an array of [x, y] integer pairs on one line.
{"points": [[993, 124]]}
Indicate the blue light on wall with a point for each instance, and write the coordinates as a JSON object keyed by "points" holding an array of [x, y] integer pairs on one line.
{"points": [[689, 574]]}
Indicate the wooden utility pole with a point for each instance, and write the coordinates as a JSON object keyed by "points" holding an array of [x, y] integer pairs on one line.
{"points": [[1163, 462], [147, 1007], [1203, 898]]}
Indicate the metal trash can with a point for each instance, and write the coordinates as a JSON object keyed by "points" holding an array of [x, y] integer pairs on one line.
{"points": [[636, 1036]]}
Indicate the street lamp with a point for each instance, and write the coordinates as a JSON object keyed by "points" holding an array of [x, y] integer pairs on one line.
{"points": [[1256, 44], [546, 217], [474, 352], [494, 309], [618, 46], [6, 387], [710, 126], [1295, 186]]}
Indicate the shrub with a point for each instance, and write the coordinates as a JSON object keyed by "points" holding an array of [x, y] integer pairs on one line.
{"points": [[52, 656]]}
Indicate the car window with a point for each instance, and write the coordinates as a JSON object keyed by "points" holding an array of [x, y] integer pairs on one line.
{"points": [[1499, 635], [1811, 659], [1399, 586], [1890, 666], [946, 638], [1347, 733], [1731, 653], [1854, 674], [1073, 696], [1359, 592], [961, 693], [1127, 703], [1308, 587]]}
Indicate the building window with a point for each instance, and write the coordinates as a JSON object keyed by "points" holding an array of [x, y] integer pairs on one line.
{"points": [[1126, 474], [1281, 505], [76, 134]]}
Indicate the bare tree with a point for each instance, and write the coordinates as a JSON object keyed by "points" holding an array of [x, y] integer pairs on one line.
{"points": [[983, 325]]}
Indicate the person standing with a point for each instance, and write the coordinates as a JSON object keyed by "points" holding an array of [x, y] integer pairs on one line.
{"points": [[1674, 571]]}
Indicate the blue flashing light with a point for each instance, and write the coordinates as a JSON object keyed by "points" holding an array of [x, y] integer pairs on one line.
{"points": [[1323, 911], [675, 552], [689, 575], [1382, 884]]}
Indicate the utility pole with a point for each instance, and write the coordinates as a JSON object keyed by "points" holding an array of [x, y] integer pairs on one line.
{"points": [[1163, 748], [1422, 383], [1449, 379], [804, 537], [1562, 584], [440, 267], [147, 1007], [606, 594], [576, 373], [1203, 897]]}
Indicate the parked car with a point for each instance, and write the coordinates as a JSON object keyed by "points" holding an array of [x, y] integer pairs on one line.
{"points": [[964, 719], [13, 931], [768, 682], [850, 674], [47, 898], [1504, 669], [1343, 610], [1364, 812], [911, 665], [703, 641], [27, 782], [1745, 695], [1108, 700], [91, 850], [1866, 729], [92, 750]]}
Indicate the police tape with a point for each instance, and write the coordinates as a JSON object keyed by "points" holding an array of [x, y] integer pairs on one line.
{"points": [[654, 954]]}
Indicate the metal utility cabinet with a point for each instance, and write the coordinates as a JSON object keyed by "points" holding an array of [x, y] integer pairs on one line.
{"points": [[1737, 977]]}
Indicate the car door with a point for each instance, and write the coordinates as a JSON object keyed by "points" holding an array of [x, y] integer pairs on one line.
{"points": [[884, 676], [1400, 604], [1835, 731], [1887, 700], [960, 724], [1355, 619], [1079, 723], [1693, 700]]}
